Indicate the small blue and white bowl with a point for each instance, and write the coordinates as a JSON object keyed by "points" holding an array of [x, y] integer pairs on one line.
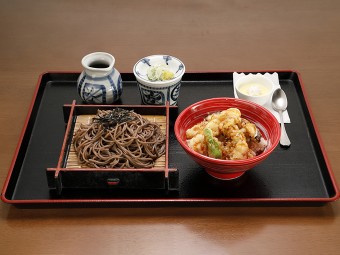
{"points": [[159, 92]]}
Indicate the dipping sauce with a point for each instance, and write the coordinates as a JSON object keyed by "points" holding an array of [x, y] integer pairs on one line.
{"points": [[254, 89], [99, 64]]}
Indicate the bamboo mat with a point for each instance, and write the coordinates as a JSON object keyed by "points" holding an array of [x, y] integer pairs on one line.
{"points": [[72, 160]]}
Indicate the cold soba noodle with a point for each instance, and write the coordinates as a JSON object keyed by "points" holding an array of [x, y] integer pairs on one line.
{"points": [[119, 139]]}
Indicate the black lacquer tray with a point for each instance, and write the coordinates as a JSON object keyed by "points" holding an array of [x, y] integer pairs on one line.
{"points": [[300, 175]]}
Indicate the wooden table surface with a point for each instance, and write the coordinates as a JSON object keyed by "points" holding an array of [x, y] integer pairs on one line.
{"points": [[39, 36]]}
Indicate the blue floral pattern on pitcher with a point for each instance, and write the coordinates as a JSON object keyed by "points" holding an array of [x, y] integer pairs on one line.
{"points": [[94, 93]]}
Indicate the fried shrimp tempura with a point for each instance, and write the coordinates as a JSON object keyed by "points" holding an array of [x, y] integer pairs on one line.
{"points": [[236, 137]]}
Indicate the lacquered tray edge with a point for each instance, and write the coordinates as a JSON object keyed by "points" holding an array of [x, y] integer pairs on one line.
{"points": [[171, 202], [320, 140], [21, 137]]}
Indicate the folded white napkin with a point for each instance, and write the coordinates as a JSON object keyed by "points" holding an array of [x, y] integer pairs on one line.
{"points": [[274, 77]]}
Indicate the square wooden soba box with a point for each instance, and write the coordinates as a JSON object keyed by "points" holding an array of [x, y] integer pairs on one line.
{"points": [[70, 174]]}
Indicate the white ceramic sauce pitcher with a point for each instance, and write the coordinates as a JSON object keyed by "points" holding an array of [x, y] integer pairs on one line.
{"points": [[100, 82]]}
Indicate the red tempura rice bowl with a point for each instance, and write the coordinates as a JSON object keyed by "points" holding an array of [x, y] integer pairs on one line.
{"points": [[222, 168]]}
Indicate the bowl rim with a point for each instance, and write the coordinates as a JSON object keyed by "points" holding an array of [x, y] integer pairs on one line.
{"points": [[238, 162], [158, 83]]}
